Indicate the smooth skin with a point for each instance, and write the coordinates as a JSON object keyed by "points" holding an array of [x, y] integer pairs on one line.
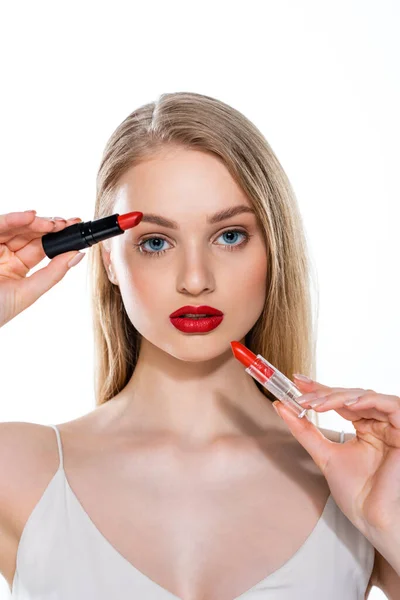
{"points": [[190, 460]]}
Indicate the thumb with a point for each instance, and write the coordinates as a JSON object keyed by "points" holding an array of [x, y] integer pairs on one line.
{"points": [[307, 434]]}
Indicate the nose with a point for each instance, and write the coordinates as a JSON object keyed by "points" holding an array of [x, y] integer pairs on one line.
{"points": [[195, 275]]}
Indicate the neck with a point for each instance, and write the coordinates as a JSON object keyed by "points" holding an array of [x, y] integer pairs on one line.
{"points": [[199, 401]]}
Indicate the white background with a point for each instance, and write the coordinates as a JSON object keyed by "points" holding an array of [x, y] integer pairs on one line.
{"points": [[320, 79]]}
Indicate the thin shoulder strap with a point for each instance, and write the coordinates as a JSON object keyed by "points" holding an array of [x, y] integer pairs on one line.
{"points": [[60, 452], [341, 437]]}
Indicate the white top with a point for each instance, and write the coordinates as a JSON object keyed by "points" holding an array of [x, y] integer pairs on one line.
{"points": [[63, 556]]}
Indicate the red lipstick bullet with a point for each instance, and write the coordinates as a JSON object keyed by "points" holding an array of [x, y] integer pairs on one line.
{"points": [[269, 377]]}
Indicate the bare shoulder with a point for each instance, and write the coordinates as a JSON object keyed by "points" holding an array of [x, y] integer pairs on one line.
{"points": [[27, 452], [28, 460]]}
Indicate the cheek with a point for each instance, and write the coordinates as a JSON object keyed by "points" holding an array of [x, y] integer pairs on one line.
{"points": [[256, 277], [143, 293], [250, 272], [142, 285], [251, 285]]}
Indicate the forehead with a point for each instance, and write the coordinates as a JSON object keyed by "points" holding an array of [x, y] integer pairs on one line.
{"points": [[178, 182]]}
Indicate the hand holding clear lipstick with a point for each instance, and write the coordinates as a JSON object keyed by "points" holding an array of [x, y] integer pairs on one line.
{"points": [[362, 472], [272, 379]]}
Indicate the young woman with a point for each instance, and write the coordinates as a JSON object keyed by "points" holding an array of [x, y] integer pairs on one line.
{"points": [[184, 483]]}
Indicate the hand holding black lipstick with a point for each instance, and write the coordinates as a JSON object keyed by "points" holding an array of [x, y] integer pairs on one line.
{"points": [[84, 235], [25, 240], [21, 250]]}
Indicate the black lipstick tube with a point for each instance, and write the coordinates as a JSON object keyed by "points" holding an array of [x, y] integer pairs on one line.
{"points": [[80, 235]]}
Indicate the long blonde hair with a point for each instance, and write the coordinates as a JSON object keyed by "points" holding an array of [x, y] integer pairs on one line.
{"points": [[284, 333]]}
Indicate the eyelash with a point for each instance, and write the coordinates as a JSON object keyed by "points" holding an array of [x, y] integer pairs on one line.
{"points": [[138, 247]]}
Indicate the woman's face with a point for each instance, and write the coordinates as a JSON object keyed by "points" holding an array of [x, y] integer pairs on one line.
{"points": [[197, 263]]}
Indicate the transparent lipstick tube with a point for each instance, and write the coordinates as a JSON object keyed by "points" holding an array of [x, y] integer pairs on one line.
{"points": [[279, 385]]}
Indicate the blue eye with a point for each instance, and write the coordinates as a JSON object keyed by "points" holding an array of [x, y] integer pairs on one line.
{"points": [[159, 241], [158, 245], [234, 232]]}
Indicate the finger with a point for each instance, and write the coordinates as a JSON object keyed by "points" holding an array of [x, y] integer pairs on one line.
{"points": [[387, 405], [382, 430], [322, 402], [14, 222], [40, 226], [309, 436], [336, 397], [31, 288], [368, 405], [309, 386], [32, 253], [20, 237], [327, 395]]}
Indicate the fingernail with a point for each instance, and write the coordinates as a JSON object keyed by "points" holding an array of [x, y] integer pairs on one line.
{"points": [[352, 401], [30, 211], [316, 403], [77, 259], [60, 219], [302, 378], [306, 398]]}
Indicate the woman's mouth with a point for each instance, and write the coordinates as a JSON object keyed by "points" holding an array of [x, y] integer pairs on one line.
{"points": [[196, 319], [196, 323]]}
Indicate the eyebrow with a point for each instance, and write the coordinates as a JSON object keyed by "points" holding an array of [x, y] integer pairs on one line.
{"points": [[221, 215]]}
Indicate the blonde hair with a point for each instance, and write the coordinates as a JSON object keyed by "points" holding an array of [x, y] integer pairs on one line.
{"points": [[284, 333]]}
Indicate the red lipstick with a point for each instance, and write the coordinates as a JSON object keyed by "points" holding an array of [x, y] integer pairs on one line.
{"points": [[129, 220], [84, 235], [269, 377]]}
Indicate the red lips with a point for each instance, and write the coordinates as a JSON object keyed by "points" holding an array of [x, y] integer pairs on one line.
{"points": [[196, 310], [205, 324]]}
